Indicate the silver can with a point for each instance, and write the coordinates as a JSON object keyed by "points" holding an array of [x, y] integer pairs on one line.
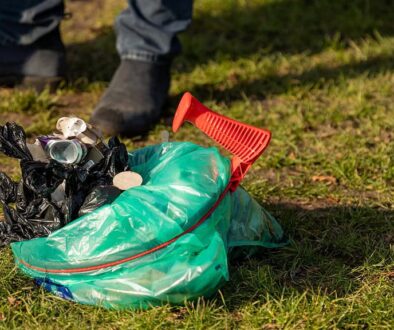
{"points": [[66, 151]]}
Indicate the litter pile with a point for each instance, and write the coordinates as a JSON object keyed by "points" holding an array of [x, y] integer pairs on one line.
{"points": [[165, 241], [63, 176]]}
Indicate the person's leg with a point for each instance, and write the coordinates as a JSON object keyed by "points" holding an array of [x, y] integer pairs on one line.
{"points": [[31, 49], [147, 30], [147, 42]]}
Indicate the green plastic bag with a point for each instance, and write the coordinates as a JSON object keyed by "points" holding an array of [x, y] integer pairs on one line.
{"points": [[92, 259]]}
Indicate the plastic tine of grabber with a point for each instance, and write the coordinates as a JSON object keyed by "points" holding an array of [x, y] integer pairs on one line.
{"points": [[245, 142]]}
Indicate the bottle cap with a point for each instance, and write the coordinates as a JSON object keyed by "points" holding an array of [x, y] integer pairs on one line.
{"points": [[126, 180]]}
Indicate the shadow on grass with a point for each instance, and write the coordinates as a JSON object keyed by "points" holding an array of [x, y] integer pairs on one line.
{"points": [[332, 248], [281, 84], [233, 31], [95, 60]]}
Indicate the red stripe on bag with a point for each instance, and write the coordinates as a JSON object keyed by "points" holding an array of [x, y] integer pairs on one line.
{"points": [[136, 256]]}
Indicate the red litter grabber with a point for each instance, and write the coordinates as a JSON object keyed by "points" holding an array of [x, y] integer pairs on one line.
{"points": [[245, 142]]}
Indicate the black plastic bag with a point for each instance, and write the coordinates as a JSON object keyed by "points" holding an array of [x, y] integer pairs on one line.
{"points": [[35, 213], [99, 196], [13, 141], [32, 215], [8, 189]]}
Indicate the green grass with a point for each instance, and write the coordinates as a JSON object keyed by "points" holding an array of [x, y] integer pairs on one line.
{"points": [[320, 76]]}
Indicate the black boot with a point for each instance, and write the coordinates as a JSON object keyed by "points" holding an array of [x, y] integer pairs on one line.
{"points": [[38, 65], [134, 99]]}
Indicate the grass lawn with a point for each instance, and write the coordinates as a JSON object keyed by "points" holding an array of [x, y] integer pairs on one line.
{"points": [[320, 75]]}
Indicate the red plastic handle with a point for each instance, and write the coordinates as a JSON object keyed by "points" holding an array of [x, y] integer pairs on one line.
{"points": [[244, 141]]}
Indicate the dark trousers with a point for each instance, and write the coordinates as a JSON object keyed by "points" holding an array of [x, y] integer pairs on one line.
{"points": [[146, 30]]}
